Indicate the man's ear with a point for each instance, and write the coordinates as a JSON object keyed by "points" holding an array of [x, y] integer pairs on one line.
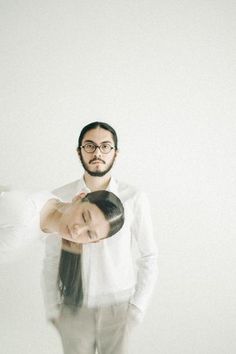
{"points": [[79, 197], [78, 151]]}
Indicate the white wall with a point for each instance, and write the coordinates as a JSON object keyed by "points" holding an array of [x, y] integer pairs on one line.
{"points": [[163, 74]]}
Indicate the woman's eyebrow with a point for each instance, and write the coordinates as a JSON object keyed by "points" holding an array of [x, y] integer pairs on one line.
{"points": [[94, 235], [89, 214]]}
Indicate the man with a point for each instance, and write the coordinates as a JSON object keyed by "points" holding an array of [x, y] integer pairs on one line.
{"points": [[115, 291]]}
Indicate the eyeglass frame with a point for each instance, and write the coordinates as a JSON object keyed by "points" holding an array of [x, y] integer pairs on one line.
{"points": [[97, 146]]}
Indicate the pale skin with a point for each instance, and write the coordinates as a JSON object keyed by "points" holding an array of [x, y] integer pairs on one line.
{"points": [[77, 222], [98, 136]]}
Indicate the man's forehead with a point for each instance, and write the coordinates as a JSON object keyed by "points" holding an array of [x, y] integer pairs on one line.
{"points": [[98, 135]]}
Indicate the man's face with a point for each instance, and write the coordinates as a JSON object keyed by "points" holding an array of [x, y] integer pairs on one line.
{"points": [[97, 163]]}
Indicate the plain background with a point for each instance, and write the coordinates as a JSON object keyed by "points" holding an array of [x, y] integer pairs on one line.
{"points": [[163, 74]]}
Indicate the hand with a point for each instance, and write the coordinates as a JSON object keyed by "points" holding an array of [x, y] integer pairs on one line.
{"points": [[135, 316]]}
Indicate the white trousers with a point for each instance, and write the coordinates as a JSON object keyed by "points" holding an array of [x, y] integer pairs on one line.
{"points": [[104, 329]]}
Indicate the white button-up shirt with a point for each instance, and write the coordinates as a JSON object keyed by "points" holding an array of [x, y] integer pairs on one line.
{"points": [[120, 268], [20, 222]]}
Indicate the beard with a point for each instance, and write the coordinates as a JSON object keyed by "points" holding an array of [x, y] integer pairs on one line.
{"points": [[96, 173]]}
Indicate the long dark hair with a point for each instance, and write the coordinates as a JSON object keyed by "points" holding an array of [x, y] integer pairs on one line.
{"points": [[70, 272]]}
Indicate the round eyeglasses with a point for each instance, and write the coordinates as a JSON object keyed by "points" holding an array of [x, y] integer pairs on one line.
{"points": [[105, 148]]}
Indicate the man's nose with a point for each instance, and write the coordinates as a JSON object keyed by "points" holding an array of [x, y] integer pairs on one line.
{"points": [[97, 152]]}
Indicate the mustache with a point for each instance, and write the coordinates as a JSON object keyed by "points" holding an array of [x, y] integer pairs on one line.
{"points": [[96, 159]]}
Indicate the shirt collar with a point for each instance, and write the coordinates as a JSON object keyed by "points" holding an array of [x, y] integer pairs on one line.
{"points": [[82, 187]]}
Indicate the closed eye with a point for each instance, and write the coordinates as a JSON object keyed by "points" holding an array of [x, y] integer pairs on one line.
{"points": [[88, 232]]}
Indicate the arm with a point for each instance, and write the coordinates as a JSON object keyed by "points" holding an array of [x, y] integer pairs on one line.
{"points": [[142, 230], [22, 220], [49, 277], [17, 215]]}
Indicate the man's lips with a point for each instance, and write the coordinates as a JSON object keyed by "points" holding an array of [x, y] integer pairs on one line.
{"points": [[93, 162]]}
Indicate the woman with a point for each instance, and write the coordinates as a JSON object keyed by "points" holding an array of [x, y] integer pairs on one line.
{"points": [[88, 218]]}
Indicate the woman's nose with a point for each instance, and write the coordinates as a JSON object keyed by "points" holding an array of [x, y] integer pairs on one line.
{"points": [[78, 229]]}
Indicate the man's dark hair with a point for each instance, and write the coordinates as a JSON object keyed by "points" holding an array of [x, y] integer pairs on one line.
{"points": [[95, 125]]}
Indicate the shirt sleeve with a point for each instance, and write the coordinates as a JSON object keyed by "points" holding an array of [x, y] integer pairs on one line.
{"points": [[49, 276], [142, 230], [19, 222]]}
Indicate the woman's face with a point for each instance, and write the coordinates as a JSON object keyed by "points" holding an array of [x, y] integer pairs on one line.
{"points": [[83, 222]]}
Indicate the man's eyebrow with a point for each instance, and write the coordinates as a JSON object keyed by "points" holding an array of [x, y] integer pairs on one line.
{"points": [[103, 142], [89, 141]]}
